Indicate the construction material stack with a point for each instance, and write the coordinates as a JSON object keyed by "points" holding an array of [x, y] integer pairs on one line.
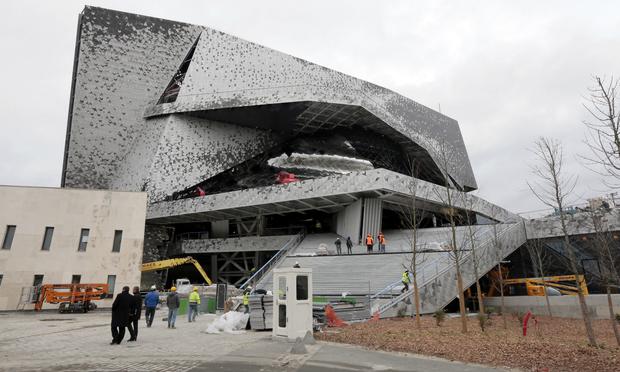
{"points": [[261, 311]]}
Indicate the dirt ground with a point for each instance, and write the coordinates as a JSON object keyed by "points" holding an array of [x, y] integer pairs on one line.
{"points": [[552, 344]]}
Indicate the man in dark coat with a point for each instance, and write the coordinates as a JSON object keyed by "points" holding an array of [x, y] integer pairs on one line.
{"points": [[136, 311], [120, 315]]}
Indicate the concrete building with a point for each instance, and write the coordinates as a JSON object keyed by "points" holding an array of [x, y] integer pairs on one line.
{"points": [[58, 236]]}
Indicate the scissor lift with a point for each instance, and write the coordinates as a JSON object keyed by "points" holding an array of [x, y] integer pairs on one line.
{"points": [[73, 298]]}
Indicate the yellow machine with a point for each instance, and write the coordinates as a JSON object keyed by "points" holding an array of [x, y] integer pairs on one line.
{"points": [[565, 284], [174, 262]]}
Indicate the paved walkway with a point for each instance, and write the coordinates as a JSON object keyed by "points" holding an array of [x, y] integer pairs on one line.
{"points": [[78, 342]]}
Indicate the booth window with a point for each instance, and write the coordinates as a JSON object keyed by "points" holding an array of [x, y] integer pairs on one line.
{"points": [[302, 287], [282, 288], [282, 316]]}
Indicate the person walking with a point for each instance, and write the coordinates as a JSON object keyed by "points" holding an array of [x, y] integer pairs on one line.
{"points": [[194, 301], [135, 313], [369, 243], [381, 239], [121, 308], [150, 303], [349, 245], [338, 244], [406, 280], [173, 306]]}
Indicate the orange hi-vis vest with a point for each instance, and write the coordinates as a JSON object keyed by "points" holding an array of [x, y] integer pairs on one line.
{"points": [[381, 239], [369, 240]]}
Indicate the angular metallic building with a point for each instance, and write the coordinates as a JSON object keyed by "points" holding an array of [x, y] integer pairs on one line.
{"points": [[246, 152]]}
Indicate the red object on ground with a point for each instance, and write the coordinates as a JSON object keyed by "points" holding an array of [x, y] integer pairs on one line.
{"points": [[332, 319], [525, 320], [375, 317], [285, 177]]}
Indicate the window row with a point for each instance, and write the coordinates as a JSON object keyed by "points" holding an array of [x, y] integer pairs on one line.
{"points": [[9, 235]]}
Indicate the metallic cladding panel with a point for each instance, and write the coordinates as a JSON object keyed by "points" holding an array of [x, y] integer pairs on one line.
{"points": [[373, 213], [123, 65]]}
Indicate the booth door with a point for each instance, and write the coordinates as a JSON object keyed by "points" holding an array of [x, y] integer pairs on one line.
{"points": [[282, 304]]}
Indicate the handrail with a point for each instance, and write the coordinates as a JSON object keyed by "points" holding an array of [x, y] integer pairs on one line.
{"points": [[293, 242], [382, 308]]}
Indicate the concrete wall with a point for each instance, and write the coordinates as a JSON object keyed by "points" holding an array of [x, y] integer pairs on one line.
{"points": [[561, 306], [32, 209], [243, 244], [349, 220]]}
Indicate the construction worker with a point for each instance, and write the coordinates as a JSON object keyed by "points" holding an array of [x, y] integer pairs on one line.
{"points": [[246, 299], [338, 244], [406, 280], [173, 306], [194, 301], [369, 243], [150, 303], [136, 312], [349, 245], [381, 239]]}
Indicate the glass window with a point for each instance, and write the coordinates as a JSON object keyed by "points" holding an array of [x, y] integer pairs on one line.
{"points": [[8, 237], [282, 316], [75, 279], [38, 280], [83, 240], [111, 284], [118, 237], [47, 238], [1, 276], [302, 287], [282, 288]]}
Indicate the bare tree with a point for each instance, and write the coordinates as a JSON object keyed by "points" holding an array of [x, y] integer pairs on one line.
{"points": [[552, 187], [603, 138], [472, 240], [540, 257], [412, 217], [606, 253], [449, 195], [497, 243]]}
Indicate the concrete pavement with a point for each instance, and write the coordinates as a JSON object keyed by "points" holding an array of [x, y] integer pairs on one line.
{"points": [[78, 342]]}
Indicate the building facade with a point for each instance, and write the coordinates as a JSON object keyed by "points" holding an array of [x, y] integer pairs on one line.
{"points": [[60, 236]]}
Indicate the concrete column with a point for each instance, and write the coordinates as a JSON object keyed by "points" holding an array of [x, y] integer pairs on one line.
{"points": [[349, 221], [373, 216], [213, 273]]}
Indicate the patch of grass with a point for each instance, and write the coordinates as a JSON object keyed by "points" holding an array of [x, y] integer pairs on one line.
{"points": [[440, 316]]}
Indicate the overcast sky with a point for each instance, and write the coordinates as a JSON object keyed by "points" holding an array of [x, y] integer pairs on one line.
{"points": [[508, 71]]}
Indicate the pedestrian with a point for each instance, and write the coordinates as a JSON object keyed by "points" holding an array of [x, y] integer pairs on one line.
{"points": [[194, 301], [405, 279], [369, 243], [120, 315], [134, 316], [381, 239], [349, 245], [173, 306], [338, 244], [150, 303]]}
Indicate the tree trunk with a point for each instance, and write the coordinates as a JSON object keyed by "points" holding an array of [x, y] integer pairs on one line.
{"points": [[479, 292], [501, 292], [547, 297], [416, 299], [612, 316], [459, 284]]}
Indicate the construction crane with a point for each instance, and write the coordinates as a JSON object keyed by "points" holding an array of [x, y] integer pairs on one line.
{"points": [[71, 297], [564, 284], [174, 262]]}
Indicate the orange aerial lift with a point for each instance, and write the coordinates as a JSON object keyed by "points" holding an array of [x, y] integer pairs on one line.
{"points": [[564, 284], [71, 297]]}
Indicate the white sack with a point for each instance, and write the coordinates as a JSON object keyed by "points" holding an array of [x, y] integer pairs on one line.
{"points": [[233, 322]]}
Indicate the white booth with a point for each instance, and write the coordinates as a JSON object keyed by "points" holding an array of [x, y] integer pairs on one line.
{"points": [[292, 302]]}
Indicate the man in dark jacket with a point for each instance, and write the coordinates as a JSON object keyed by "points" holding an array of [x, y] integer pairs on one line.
{"points": [[135, 313], [120, 315], [349, 245]]}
